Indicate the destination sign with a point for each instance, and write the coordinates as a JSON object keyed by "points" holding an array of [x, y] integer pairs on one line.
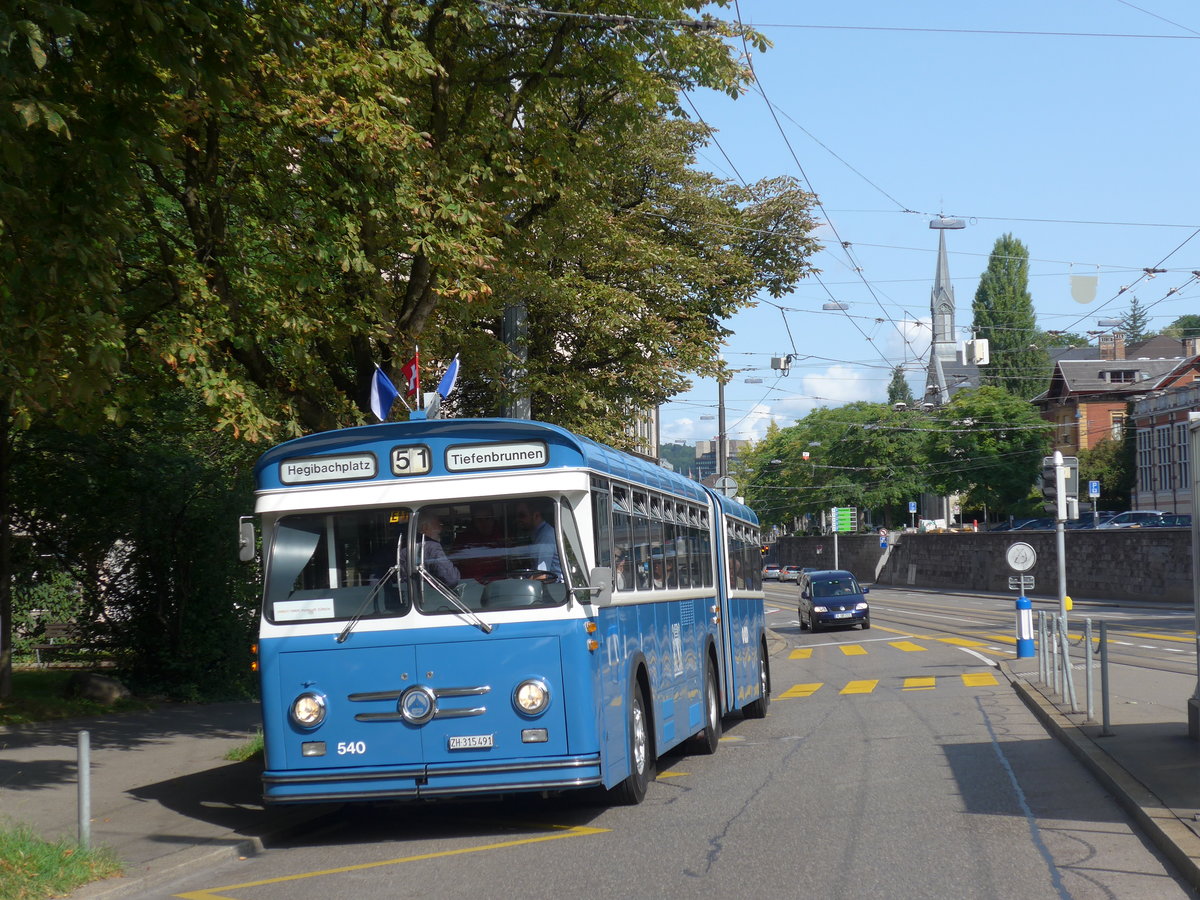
{"points": [[316, 469], [497, 456]]}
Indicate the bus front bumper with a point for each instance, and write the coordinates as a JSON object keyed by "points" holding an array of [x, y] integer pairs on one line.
{"points": [[430, 781]]}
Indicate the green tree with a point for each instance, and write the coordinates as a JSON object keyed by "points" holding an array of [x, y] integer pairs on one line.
{"points": [[1112, 463], [898, 389], [1048, 339], [988, 445], [1003, 314], [133, 525], [1185, 326], [1134, 322], [866, 455]]}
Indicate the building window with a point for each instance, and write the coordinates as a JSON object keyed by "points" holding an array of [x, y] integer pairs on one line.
{"points": [[1117, 425], [1183, 474], [1120, 376], [1162, 448], [1144, 458]]}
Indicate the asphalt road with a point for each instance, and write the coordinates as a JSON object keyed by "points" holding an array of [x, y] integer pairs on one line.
{"points": [[894, 762]]}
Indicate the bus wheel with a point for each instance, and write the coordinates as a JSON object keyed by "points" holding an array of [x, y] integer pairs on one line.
{"points": [[757, 709], [632, 790], [706, 739]]}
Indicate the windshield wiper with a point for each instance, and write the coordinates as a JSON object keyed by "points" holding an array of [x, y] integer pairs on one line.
{"points": [[370, 598], [433, 582]]}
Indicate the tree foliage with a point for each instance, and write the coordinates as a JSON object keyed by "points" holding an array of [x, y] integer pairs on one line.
{"points": [[129, 532], [989, 446], [1135, 322], [1003, 314], [1113, 464], [265, 200], [898, 388], [1185, 326], [866, 455]]}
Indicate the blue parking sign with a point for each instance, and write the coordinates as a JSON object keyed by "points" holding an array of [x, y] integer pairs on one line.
{"points": [[1093, 489], [912, 506]]}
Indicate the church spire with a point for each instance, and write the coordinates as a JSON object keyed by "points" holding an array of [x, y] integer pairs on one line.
{"points": [[943, 344]]}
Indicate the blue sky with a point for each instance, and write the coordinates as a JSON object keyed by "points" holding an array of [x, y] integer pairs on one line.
{"points": [[1071, 124]]}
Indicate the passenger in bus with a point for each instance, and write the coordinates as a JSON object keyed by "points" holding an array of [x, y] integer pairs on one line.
{"points": [[476, 550], [531, 516], [658, 578], [431, 554], [622, 579]]}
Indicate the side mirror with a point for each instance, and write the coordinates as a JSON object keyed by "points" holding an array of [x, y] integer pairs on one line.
{"points": [[805, 595], [599, 592], [246, 538], [866, 590]]}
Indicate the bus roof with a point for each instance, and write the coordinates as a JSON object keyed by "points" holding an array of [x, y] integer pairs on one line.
{"points": [[565, 450]]}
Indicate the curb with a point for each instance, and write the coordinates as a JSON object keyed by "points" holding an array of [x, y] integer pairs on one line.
{"points": [[1165, 830], [217, 850]]}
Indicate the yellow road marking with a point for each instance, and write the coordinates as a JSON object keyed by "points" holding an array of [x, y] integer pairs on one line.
{"points": [[979, 679], [921, 683], [860, 687], [805, 653], [562, 831], [907, 646], [1002, 638], [801, 690], [853, 649], [962, 642], [1153, 637], [673, 774]]}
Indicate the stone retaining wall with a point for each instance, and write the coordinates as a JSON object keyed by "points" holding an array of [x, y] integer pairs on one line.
{"points": [[1117, 564]]}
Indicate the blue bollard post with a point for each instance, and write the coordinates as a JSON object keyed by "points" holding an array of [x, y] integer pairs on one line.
{"points": [[1024, 628]]}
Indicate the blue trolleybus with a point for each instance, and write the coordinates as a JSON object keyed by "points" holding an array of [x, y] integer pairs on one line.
{"points": [[466, 607]]}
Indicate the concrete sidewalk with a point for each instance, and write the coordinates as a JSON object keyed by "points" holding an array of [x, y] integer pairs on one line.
{"points": [[167, 802], [1148, 762], [163, 797]]}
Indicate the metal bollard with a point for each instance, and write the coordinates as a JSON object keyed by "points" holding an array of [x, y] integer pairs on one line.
{"points": [[1087, 671], [1043, 649], [1106, 725], [1068, 674], [1054, 649], [83, 766]]}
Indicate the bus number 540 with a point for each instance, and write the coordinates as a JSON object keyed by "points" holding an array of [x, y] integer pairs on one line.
{"points": [[351, 747]]}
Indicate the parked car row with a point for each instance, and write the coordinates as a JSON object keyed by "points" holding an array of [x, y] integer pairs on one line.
{"points": [[1145, 518]]}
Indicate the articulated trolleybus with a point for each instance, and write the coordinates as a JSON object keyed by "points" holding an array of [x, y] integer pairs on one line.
{"points": [[467, 607]]}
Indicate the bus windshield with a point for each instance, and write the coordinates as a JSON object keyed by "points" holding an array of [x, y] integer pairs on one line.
{"points": [[490, 555]]}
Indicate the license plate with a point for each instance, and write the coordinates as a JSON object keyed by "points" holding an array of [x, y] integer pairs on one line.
{"points": [[471, 741], [842, 615]]}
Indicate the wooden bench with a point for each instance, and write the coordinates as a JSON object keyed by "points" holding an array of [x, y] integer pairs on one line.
{"points": [[56, 637]]}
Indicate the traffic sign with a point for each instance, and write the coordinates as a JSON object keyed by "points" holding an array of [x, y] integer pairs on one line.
{"points": [[1020, 582], [912, 506], [1021, 557], [727, 486], [1093, 489], [845, 518]]}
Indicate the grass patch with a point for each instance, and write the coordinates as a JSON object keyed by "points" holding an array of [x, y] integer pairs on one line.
{"points": [[33, 869], [248, 750], [37, 696]]}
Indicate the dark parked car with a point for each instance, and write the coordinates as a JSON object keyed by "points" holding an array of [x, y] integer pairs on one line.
{"points": [[832, 597], [1174, 520], [1138, 518]]}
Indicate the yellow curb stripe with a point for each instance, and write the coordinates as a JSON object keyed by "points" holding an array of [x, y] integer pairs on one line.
{"points": [[565, 832]]}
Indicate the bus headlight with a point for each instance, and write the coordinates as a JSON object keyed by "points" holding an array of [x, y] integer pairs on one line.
{"points": [[308, 710], [531, 697]]}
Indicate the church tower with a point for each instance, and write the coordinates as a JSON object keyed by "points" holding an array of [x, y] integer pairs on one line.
{"points": [[943, 346]]}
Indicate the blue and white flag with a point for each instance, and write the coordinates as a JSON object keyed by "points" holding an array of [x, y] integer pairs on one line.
{"points": [[446, 385], [383, 395]]}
